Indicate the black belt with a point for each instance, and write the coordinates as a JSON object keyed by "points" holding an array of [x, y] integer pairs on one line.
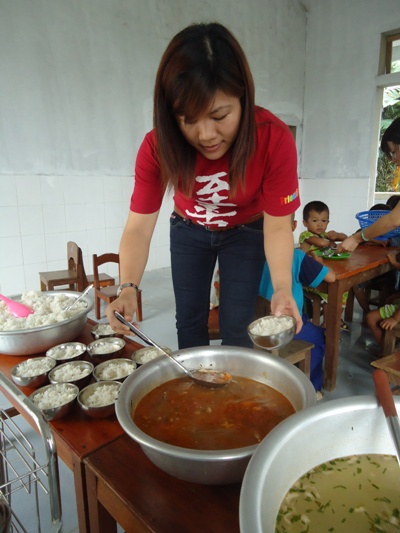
{"points": [[253, 218]]}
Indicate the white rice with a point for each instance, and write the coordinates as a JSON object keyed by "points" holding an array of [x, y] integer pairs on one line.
{"points": [[104, 329], [34, 367], [65, 352], [271, 325], [70, 372], [105, 347], [103, 395], [115, 370], [48, 310], [144, 355], [54, 396]]}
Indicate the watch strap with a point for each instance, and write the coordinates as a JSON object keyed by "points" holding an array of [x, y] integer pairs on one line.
{"points": [[125, 285]]}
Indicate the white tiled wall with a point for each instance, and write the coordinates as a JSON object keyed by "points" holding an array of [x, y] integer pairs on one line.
{"points": [[40, 214]]}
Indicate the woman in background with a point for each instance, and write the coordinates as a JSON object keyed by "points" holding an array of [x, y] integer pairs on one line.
{"points": [[390, 146]]}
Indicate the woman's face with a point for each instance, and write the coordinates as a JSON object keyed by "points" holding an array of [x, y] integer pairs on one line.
{"points": [[395, 153], [214, 132]]}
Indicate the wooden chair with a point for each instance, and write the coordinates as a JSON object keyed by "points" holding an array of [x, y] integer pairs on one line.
{"points": [[108, 293], [390, 337], [74, 277]]}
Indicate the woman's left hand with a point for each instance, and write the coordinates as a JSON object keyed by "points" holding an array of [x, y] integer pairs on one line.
{"points": [[282, 303]]}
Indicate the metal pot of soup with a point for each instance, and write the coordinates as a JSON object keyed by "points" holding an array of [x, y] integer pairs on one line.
{"points": [[332, 463], [264, 390]]}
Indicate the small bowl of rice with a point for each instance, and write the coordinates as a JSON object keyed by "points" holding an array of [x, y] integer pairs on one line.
{"points": [[33, 372], [104, 349], [98, 399], [144, 355], [114, 370], [77, 372], [55, 400], [100, 331], [67, 352], [272, 332]]}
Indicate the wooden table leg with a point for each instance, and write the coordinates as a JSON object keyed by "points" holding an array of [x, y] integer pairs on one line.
{"points": [[332, 317], [78, 470], [100, 519]]}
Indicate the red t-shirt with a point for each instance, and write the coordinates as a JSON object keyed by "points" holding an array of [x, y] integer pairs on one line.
{"points": [[271, 180]]}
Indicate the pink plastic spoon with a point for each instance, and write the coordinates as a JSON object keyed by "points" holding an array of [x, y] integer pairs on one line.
{"points": [[16, 308]]}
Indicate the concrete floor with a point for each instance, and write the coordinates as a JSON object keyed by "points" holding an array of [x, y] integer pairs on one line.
{"points": [[354, 378]]}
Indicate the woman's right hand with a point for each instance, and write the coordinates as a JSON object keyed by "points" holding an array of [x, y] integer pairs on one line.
{"points": [[126, 305], [349, 244]]}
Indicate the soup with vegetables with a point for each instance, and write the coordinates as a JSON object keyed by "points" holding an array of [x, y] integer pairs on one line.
{"points": [[183, 413], [356, 494]]}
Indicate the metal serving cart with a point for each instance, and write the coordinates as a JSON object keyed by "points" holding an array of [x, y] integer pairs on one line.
{"points": [[28, 468]]}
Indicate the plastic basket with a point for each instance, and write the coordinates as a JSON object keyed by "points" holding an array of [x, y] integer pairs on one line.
{"points": [[367, 218]]}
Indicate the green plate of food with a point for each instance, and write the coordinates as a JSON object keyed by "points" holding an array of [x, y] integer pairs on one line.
{"points": [[331, 254]]}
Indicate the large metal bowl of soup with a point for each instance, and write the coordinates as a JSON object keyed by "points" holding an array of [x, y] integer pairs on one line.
{"points": [[66, 326], [201, 465], [338, 428]]}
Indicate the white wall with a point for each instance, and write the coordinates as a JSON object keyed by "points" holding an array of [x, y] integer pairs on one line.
{"points": [[339, 133], [76, 99]]}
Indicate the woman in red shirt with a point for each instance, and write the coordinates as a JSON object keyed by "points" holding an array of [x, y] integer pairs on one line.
{"points": [[232, 167]]}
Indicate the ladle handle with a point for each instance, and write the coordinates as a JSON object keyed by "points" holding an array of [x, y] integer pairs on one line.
{"points": [[384, 392], [79, 297], [150, 342]]}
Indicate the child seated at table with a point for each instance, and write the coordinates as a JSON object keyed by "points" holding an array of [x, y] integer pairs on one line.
{"points": [[387, 316], [316, 220], [305, 271], [316, 236]]}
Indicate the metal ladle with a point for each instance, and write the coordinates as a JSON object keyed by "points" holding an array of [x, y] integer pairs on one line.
{"points": [[385, 398], [212, 379]]}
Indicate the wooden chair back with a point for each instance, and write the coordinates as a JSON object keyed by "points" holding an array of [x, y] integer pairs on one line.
{"points": [[101, 293]]}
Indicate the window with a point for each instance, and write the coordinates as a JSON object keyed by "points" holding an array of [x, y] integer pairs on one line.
{"points": [[387, 175], [392, 53]]}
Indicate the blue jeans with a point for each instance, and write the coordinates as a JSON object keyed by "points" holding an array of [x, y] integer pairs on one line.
{"points": [[241, 258]]}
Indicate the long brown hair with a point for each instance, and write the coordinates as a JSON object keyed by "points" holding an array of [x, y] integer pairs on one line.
{"points": [[200, 60]]}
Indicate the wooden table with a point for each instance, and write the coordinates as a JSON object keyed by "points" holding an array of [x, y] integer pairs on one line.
{"points": [[76, 435], [125, 487], [365, 263]]}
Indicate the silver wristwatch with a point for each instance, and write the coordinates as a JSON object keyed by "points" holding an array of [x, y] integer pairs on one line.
{"points": [[125, 285]]}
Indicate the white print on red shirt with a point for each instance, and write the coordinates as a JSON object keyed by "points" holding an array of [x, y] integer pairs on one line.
{"points": [[210, 200]]}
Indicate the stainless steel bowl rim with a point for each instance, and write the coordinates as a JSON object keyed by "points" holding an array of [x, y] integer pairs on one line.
{"points": [[120, 343], [86, 364], [85, 299], [52, 385], [96, 385], [104, 364], [182, 356], [252, 490], [44, 357]]}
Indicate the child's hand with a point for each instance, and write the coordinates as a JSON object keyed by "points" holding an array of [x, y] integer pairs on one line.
{"points": [[388, 323]]}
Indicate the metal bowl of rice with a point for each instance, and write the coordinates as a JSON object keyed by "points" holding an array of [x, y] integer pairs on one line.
{"points": [[114, 370], [48, 326], [67, 352], [144, 355], [77, 372], [104, 349], [33, 372], [99, 331], [272, 332], [98, 399], [55, 400]]}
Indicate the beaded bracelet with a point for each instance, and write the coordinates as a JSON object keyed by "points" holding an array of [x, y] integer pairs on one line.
{"points": [[364, 238]]}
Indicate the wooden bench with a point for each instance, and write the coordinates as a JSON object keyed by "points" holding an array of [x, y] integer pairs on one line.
{"points": [[297, 352]]}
